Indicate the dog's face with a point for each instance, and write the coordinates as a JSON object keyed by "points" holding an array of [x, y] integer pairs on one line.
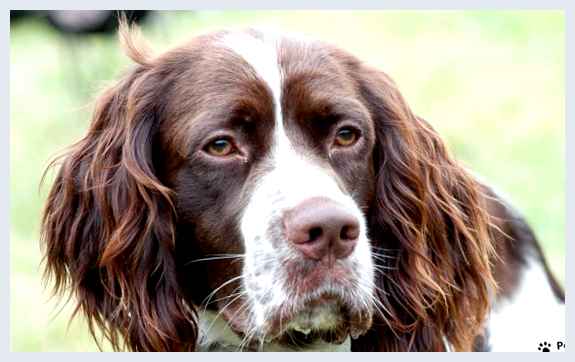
{"points": [[275, 172], [280, 184]]}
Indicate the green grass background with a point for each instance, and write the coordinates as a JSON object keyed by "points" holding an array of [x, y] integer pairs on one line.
{"points": [[491, 82]]}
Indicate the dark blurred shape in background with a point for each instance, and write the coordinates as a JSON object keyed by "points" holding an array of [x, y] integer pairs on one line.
{"points": [[82, 22]]}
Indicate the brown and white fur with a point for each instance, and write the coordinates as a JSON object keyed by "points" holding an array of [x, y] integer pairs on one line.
{"points": [[169, 244]]}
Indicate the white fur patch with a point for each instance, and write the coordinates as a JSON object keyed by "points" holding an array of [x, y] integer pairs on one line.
{"points": [[532, 316], [262, 56], [293, 178], [289, 179]]}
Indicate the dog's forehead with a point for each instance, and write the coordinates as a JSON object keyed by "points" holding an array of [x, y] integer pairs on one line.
{"points": [[296, 71], [261, 55]]}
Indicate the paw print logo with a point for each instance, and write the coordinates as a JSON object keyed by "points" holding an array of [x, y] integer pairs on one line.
{"points": [[544, 347]]}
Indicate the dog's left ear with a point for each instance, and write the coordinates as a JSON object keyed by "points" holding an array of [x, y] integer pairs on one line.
{"points": [[108, 228], [429, 219]]}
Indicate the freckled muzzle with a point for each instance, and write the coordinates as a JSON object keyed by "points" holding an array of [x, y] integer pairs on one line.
{"points": [[319, 283], [308, 268]]}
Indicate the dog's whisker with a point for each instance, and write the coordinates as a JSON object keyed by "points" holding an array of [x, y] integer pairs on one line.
{"points": [[378, 305], [383, 256], [248, 335], [383, 269], [205, 306], [206, 300], [222, 310], [233, 294], [216, 257]]}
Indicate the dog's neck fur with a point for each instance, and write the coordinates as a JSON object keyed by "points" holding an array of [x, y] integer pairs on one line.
{"points": [[217, 336]]}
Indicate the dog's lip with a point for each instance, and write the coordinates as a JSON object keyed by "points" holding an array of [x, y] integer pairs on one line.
{"points": [[311, 276], [351, 321], [236, 316]]}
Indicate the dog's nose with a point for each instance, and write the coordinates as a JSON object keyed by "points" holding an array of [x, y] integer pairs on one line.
{"points": [[322, 229]]}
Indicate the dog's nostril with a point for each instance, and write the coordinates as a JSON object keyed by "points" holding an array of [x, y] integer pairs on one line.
{"points": [[322, 229], [315, 233], [349, 232]]}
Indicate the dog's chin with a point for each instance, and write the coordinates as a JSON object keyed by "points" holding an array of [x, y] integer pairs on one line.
{"points": [[326, 319]]}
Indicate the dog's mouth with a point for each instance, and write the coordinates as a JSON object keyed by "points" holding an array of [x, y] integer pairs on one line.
{"points": [[327, 319]]}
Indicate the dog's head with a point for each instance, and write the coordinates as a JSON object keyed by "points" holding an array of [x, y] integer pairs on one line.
{"points": [[278, 183]]}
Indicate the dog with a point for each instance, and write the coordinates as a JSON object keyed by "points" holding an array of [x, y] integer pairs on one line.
{"points": [[253, 191]]}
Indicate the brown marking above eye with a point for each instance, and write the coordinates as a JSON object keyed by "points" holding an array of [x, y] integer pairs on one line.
{"points": [[220, 147], [346, 136]]}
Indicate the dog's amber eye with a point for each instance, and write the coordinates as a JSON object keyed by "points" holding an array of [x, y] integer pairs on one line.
{"points": [[346, 137], [220, 147]]}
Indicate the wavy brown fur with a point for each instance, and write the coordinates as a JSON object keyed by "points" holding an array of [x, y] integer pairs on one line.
{"points": [[430, 215], [107, 228]]}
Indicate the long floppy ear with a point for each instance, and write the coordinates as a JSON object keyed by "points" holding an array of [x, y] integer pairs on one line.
{"points": [[429, 224], [108, 226]]}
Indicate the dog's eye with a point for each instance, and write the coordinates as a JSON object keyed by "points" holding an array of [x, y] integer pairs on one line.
{"points": [[220, 147], [346, 136]]}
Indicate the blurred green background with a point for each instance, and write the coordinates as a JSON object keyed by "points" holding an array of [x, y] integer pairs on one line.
{"points": [[491, 82]]}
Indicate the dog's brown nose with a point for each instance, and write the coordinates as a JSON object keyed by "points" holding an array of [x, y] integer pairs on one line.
{"points": [[322, 229]]}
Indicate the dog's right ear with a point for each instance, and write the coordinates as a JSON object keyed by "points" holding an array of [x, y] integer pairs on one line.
{"points": [[432, 213], [108, 225]]}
